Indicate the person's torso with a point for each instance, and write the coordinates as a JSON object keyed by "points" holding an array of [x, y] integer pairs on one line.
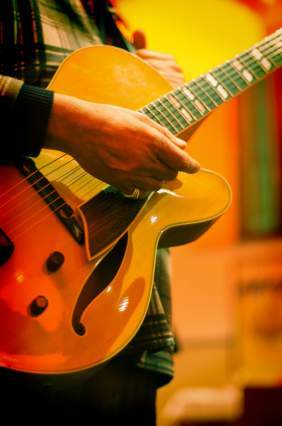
{"points": [[37, 35]]}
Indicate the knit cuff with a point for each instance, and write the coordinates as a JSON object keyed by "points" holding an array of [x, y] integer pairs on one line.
{"points": [[31, 113], [9, 90]]}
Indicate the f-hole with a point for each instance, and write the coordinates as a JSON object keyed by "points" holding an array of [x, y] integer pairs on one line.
{"points": [[98, 281]]}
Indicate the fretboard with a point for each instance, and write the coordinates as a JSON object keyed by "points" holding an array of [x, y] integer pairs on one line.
{"points": [[188, 104]]}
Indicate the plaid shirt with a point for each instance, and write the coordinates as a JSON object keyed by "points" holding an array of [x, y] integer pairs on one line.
{"points": [[35, 36]]}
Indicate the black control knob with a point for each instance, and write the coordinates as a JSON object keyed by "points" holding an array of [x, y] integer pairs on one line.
{"points": [[38, 305], [55, 261]]}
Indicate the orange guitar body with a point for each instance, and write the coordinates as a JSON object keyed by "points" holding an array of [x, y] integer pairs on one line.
{"points": [[73, 334]]}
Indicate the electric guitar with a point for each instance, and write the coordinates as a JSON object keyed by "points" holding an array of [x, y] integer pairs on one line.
{"points": [[77, 257]]}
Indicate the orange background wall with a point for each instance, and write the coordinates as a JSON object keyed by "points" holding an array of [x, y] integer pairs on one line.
{"points": [[202, 35]]}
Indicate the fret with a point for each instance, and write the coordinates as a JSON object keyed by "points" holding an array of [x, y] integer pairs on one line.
{"points": [[256, 54], [266, 64], [221, 92], [212, 99], [147, 111], [188, 93], [200, 100], [210, 78], [188, 104], [199, 107], [236, 76], [276, 59], [167, 114], [182, 109], [174, 103], [191, 102], [212, 83], [257, 65], [200, 88], [226, 80], [248, 76], [188, 117], [157, 117], [274, 54], [260, 64]]}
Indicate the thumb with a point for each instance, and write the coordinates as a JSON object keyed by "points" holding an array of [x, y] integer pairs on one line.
{"points": [[139, 39]]}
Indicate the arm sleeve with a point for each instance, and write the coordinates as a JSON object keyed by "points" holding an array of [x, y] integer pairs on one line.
{"points": [[24, 115]]}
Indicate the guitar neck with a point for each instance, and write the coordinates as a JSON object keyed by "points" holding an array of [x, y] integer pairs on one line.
{"points": [[190, 103]]}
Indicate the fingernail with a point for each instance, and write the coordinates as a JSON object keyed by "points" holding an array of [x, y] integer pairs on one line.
{"points": [[181, 143], [193, 166]]}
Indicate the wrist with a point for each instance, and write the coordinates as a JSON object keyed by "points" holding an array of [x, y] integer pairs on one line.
{"points": [[71, 121], [31, 112]]}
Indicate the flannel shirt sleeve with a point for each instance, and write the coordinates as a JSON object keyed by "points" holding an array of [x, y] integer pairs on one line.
{"points": [[24, 115]]}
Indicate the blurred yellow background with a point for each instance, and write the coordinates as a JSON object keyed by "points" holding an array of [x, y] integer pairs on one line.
{"points": [[201, 35]]}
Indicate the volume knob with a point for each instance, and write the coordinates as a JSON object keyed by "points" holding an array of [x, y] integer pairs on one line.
{"points": [[55, 261], [38, 305]]}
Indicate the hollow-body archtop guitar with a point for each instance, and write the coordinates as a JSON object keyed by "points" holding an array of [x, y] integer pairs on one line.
{"points": [[76, 256]]}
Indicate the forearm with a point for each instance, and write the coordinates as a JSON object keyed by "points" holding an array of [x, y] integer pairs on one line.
{"points": [[24, 116]]}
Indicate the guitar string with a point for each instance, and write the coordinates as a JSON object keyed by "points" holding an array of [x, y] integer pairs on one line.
{"points": [[30, 175], [41, 178], [176, 118], [85, 174], [246, 53], [235, 75], [262, 44], [83, 185], [32, 194], [40, 220], [230, 75]]}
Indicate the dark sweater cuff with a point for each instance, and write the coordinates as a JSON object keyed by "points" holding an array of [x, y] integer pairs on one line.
{"points": [[31, 113]]}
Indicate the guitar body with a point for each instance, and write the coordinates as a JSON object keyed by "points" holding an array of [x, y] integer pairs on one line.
{"points": [[97, 300]]}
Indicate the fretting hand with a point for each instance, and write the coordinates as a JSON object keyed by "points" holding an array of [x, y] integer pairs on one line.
{"points": [[164, 63]]}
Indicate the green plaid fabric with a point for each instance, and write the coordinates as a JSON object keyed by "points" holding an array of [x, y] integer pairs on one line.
{"points": [[35, 36]]}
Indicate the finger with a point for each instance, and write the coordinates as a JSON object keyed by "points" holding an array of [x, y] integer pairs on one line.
{"points": [[170, 154], [164, 173], [168, 65], [139, 39], [177, 141], [148, 183], [176, 158], [158, 170], [145, 53], [172, 77]]}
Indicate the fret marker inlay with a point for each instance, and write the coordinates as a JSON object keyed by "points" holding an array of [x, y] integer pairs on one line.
{"points": [[266, 64], [247, 75], [211, 80], [188, 93], [188, 104], [199, 106], [186, 115], [222, 92], [237, 65], [173, 101], [257, 54]]}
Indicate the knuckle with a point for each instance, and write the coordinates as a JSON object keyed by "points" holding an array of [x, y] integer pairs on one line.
{"points": [[171, 175]]}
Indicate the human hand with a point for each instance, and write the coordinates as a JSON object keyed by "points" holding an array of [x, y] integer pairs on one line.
{"points": [[119, 146], [164, 63]]}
